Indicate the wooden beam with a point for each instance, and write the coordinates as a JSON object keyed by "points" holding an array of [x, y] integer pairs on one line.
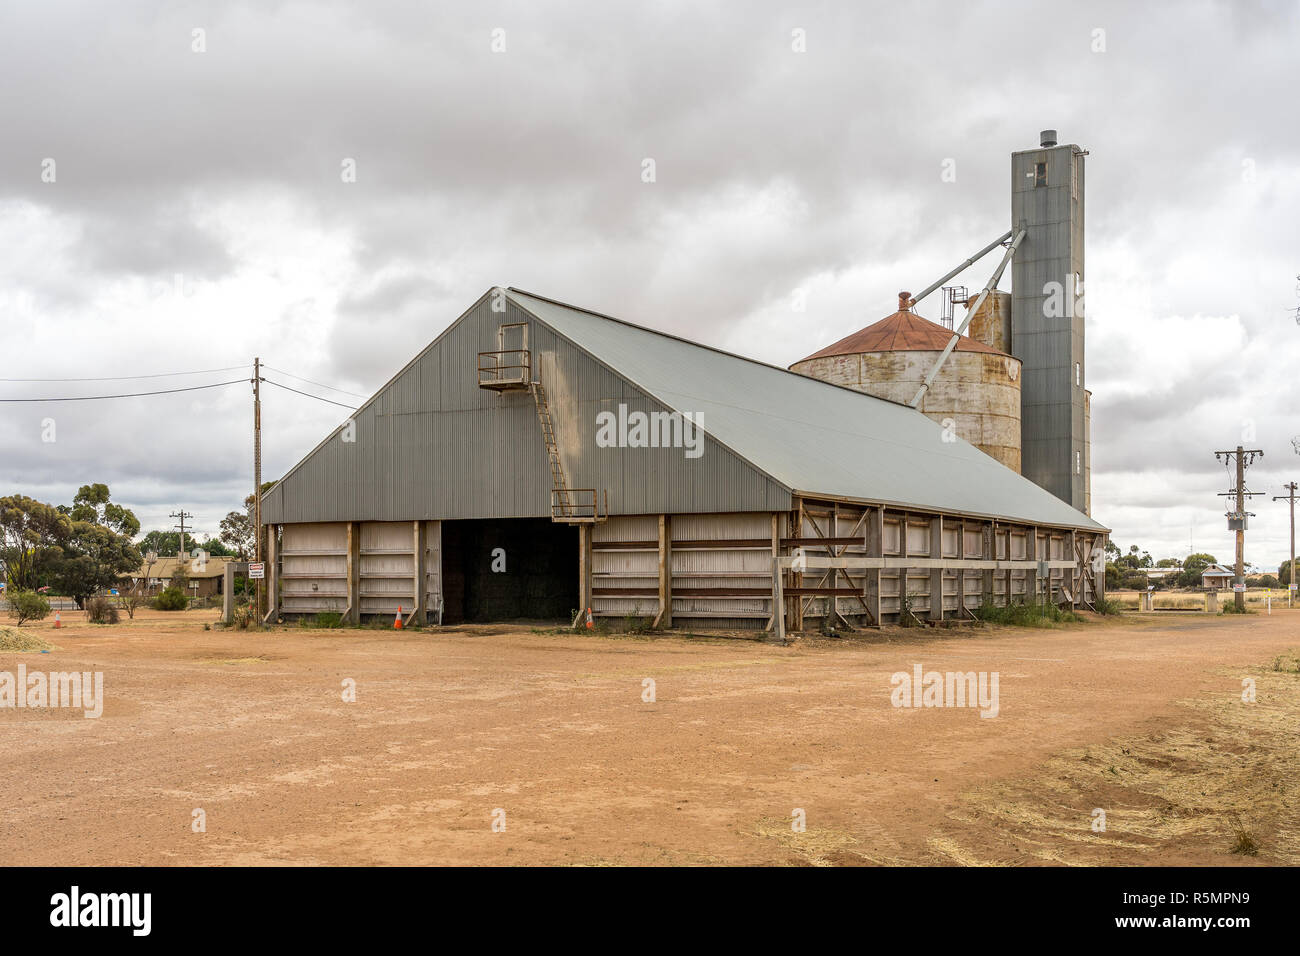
{"points": [[665, 616], [936, 574], [272, 577], [777, 610], [419, 613], [988, 544], [354, 573], [584, 567], [797, 578]]}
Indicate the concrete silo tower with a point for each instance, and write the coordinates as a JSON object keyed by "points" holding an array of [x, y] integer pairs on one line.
{"points": [[1047, 317]]}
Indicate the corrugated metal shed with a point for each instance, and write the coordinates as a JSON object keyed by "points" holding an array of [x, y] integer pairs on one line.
{"points": [[810, 436]]}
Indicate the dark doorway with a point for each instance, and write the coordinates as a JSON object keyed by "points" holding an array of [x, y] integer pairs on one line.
{"points": [[535, 576]]}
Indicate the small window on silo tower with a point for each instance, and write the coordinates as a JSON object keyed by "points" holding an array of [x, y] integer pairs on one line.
{"points": [[1078, 463], [1074, 177], [1040, 174], [1078, 374]]}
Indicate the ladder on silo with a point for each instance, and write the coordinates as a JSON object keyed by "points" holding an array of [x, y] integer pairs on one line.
{"points": [[572, 505]]}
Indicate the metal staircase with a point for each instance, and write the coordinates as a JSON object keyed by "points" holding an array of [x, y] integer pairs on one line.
{"points": [[510, 369], [568, 505]]}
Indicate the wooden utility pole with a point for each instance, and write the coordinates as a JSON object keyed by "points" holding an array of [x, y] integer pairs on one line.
{"points": [[257, 474], [182, 515], [1237, 519], [1291, 582]]}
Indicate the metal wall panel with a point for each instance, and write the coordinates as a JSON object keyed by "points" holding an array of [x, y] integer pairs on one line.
{"points": [[433, 445]]}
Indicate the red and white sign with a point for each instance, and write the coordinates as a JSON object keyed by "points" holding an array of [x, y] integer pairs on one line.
{"points": [[256, 571]]}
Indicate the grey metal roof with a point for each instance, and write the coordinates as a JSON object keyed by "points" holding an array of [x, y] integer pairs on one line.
{"points": [[811, 436]]}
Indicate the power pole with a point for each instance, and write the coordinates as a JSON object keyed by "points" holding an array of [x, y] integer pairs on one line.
{"points": [[182, 514], [1291, 582], [1237, 519], [257, 475]]}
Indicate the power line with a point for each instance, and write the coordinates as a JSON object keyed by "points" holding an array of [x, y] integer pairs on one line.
{"points": [[127, 378], [99, 398], [310, 382], [318, 398]]}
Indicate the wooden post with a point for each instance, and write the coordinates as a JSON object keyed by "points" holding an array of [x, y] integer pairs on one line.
{"points": [[584, 567], [271, 572], [665, 616], [1031, 553], [875, 548], [988, 551], [354, 573], [228, 592], [936, 574], [777, 610], [420, 613], [797, 577]]}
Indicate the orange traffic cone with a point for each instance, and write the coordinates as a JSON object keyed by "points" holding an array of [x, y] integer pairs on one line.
{"points": [[397, 621], [589, 617], [58, 621]]}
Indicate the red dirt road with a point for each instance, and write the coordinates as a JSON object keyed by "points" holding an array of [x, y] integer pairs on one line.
{"points": [[552, 729]]}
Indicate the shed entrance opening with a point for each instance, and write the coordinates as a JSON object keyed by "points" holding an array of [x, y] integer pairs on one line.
{"points": [[509, 569]]}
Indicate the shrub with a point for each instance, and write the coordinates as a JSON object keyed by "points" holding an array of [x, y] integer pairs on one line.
{"points": [[1026, 615], [100, 610], [1134, 581], [242, 617], [1287, 663], [327, 619], [1268, 581], [28, 606], [171, 599], [1109, 606], [1243, 841], [1230, 607], [130, 602]]}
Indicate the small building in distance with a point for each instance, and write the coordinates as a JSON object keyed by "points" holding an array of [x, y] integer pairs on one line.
{"points": [[1217, 577], [205, 574]]}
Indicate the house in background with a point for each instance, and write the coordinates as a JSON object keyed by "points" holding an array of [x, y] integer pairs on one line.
{"points": [[206, 576], [1217, 577]]}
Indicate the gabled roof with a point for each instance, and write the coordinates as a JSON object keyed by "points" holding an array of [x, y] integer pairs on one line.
{"points": [[811, 436], [214, 567], [902, 331]]}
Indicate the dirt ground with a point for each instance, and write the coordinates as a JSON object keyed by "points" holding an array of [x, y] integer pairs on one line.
{"points": [[452, 730]]}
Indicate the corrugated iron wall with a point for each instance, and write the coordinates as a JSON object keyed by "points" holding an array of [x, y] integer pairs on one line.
{"points": [[432, 444]]}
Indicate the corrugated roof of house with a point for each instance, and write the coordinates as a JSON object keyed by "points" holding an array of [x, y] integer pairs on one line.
{"points": [[166, 567]]}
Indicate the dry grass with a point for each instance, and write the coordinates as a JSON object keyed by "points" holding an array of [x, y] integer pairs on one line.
{"points": [[12, 639], [815, 846], [1225, 781]]}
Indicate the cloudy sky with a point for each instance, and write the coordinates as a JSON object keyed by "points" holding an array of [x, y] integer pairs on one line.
{"points": [[199, 211]]}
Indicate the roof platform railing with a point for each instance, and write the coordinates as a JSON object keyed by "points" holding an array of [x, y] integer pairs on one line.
{"points": [[577, 506], [505, 370]]}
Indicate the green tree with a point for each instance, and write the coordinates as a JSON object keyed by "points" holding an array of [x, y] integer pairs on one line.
{"points": [[92, 504], [1193, 565], [32, 536], [237, 534], [237, 527], [216, 548], [94, 557], [1284, 573], [165, 544], [1168, 563]]}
